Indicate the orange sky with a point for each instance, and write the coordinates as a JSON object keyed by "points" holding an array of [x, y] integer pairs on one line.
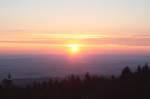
{"points": [[57, 43], [98, 26]]}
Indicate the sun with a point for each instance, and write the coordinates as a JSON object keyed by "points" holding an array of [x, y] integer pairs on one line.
{"points": [[74, 48]]}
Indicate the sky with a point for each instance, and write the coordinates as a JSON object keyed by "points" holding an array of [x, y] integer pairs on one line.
{"points": [[47, 25]]}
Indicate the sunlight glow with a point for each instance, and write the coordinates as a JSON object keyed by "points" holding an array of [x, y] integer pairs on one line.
{"points": [[74, 48]]}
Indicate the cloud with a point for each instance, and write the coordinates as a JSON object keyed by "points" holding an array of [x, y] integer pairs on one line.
{"points": [[88, 39]]}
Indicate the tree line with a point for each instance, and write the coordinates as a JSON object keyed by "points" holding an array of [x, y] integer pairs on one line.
{"points": [[129, 85]]}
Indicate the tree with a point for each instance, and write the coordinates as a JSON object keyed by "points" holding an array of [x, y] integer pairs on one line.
{"points": [[145, 68], [126, 73]]}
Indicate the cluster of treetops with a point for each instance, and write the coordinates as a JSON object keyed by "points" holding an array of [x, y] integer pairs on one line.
{"points": [[129, 85]]}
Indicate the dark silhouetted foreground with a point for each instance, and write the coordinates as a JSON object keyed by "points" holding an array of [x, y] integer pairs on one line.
{"points": [[129, 85]]}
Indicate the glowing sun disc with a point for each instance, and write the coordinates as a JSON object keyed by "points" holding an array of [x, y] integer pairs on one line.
{"points": [[74, 48]]}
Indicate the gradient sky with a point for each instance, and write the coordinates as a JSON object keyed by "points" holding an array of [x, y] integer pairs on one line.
{"points": [[58, 22], [76, 15]]}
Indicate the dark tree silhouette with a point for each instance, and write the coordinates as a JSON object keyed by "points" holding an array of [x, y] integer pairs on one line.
{"points": [[126, 73], [127, 86]]}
